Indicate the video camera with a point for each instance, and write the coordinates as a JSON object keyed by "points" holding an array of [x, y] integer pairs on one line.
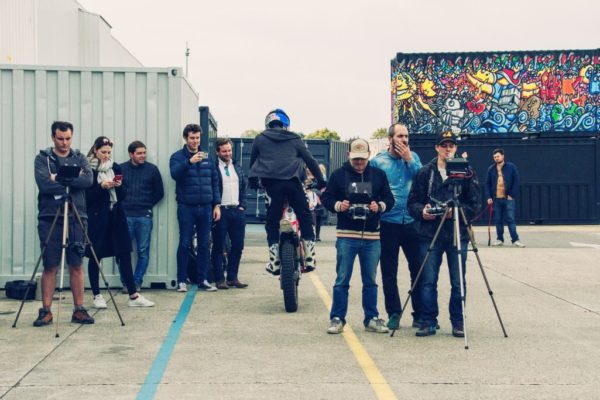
{"points": [[458, 168], [360, 195], [438, 209]]}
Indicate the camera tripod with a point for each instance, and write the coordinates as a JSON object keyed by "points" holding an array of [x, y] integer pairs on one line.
{"points": [[457, 212], [65, 238]]}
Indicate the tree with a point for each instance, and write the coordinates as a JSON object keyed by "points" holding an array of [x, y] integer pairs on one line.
{"points": [[249, 133], [380, 133], [323, 134]]}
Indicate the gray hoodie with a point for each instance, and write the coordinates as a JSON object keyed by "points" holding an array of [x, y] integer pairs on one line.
{"points": [[281, 154], [50, 193]]}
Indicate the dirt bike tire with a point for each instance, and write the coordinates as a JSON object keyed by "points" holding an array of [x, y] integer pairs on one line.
{"points": [[289, 283]]}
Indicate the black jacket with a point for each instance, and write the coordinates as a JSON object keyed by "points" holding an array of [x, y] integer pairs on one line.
{"points": [[281, 154], [427, 186], [107, 228], [338, 190]]}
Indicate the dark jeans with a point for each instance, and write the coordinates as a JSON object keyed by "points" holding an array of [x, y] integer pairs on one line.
{"points": [[232, 223], [198, 219], [394, 236], [429, 293], [280, 190], [140, 228], [504, 212], [125, 270]]}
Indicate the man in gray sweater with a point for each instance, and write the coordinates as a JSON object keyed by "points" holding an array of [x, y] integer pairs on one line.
{"points": [[51, 199]]}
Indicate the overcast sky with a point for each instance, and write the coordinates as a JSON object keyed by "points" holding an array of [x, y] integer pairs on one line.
{"points": [[327, 62]]}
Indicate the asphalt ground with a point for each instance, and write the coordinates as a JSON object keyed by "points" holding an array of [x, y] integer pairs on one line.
{"points": [[241, 344]]}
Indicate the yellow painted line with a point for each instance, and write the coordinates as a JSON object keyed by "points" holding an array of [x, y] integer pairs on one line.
{"points": [[378, 383]]}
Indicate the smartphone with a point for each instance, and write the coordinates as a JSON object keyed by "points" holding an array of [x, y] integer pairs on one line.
{"points": [[118, 178]]}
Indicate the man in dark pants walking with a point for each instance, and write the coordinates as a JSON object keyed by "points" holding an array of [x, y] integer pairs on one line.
{"points": [[232, 186], [401, 165]]}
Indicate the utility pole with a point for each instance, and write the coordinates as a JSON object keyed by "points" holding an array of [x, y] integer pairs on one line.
{"points": [[187, 56]]}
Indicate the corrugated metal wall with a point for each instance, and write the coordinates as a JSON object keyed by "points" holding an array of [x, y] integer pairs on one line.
{"points": [[151, 105]]}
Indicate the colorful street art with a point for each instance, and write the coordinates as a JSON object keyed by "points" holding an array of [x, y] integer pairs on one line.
{"points": [[478, 93]]}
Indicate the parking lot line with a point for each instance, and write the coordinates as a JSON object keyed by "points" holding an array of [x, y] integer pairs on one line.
{"points": [[376, 379]]}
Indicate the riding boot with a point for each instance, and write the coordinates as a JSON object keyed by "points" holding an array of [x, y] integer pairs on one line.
{"points": [[310, 263], [274, 264]]}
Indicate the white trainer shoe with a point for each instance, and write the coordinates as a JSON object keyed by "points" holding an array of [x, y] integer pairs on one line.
{"points": [[99, 302], [207, 287], [377, 325], [518, 243], [182, 287], [497, 243], [335, 326], [140, 301]]}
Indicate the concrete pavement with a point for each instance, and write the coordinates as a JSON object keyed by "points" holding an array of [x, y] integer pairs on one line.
{"points": [[240, 344]]}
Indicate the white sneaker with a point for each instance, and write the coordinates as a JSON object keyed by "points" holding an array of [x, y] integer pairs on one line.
{"points": [[497, 243], [140, 301], [182, 287], [99, 302], [377, 325], [335, 326], [518, 243], [207, 287]]}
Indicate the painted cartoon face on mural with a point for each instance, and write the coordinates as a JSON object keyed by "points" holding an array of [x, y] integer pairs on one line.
{"points": [[474, 93]]}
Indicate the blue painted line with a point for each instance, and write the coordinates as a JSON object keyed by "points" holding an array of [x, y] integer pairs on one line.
{"points": [[150, 385]]}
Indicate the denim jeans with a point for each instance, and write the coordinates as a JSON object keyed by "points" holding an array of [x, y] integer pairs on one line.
{"points": [[140, 228], [368, 252], [198, 219], [232, 223], [504, 211], [429, 277], [393, 237]]}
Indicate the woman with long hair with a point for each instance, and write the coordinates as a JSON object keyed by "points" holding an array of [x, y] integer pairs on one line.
{"points": [[107, 224]]}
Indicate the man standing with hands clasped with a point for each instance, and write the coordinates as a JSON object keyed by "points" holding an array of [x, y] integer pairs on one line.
{"points": [[401, 165]]}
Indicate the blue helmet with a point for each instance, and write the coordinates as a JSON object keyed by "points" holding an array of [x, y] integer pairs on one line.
{"points": [[277, 119]]}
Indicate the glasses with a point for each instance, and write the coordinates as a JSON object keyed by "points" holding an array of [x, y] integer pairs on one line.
{"points": [[447, 145]]}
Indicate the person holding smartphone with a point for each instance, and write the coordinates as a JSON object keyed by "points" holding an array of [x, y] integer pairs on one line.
{"points": [[107, 224], [401, 165]]}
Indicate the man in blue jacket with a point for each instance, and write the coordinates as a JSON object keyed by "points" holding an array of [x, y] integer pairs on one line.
{"points": [[502, 187], [198, 204], [401, 165]]}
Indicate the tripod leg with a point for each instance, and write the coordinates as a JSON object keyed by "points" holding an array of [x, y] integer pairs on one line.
{"points": [[63, 256], [37, 265], [89, 242], [487, 284], [416, 281], [461, 269]]}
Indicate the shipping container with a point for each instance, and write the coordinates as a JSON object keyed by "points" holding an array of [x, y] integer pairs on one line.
{"points": [[125, 104]]}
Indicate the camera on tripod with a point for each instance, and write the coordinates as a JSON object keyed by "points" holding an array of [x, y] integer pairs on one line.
{"points": [[458, 168], [67, 173]]}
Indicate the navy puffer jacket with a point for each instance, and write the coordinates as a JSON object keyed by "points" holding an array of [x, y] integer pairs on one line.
{"points": [[196, 184]]}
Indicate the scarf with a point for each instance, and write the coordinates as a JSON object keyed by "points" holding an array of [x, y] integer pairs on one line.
{"points": [[105, 173]]}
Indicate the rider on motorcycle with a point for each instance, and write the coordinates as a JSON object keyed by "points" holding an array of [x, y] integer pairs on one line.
{"points": [[278, 159]]}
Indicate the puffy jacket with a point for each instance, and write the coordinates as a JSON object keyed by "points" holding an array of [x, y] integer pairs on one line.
{"points": [[427, 186], [511, 180], [280, 154], [337, 191], [195, 184], [50, 192]]}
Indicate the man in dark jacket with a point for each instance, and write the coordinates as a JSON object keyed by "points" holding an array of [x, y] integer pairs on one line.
{"points": [[50, 201], [359, 194], [430, 187], [232, 186], [144, 187], [198, 204], [278, 158], [502, 187]]}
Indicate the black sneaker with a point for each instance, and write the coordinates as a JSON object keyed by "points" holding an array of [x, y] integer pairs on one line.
{"points": [[458, 330], [81, 316], [426, 330], [44, 318], [418, 323]]}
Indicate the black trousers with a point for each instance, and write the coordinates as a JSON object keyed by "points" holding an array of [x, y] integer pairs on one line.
{"points": [[125, 270], [280, 190], [394, 236]]}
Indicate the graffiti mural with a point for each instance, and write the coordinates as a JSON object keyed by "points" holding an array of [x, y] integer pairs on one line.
{"points": [[477, 93]]}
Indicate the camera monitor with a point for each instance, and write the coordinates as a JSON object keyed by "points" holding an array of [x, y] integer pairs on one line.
{"points": [[457, 166], [68, 171], [360, 192]]}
